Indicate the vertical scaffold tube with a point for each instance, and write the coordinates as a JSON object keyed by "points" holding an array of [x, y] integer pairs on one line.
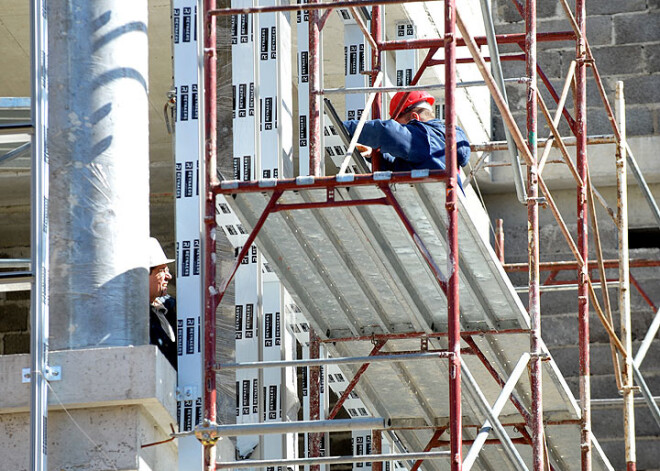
{"points": [[533, 240], [451, 202], [39, 239], [376, 66], [376, 449], [624, 282], [210, 300], [582, 235], [314, 398], [314, 95]]}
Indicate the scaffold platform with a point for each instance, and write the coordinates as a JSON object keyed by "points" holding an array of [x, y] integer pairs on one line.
{"points": [[344, 251]]}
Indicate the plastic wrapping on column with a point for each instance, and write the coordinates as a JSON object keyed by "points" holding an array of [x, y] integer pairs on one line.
{"points": [[99, 159]]}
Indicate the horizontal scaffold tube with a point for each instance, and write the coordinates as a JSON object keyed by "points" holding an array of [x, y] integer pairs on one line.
{"points": [[333, 361], [229, 187], [431, 455], [214, 431], [306, 6]]}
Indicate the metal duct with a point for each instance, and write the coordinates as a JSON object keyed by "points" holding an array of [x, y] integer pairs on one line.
{"points": [[99, 161]]}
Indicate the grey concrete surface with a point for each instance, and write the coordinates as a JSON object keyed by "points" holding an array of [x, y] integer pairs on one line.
{"points": [[109, 403]]}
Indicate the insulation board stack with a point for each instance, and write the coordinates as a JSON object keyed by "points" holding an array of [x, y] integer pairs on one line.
{"points": [[188, 232]]}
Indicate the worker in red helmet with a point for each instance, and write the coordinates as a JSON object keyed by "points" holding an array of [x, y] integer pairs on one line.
{"points": [[414, 139]]}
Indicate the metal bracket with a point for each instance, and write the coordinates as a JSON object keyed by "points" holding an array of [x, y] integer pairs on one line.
{"points": [[186, 393], [52, 373]]}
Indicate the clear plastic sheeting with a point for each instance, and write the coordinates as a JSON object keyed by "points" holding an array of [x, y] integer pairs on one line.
{"points": [[98, 145], [356, 272]]}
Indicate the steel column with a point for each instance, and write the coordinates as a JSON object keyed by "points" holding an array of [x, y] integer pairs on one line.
{"points": [[582, 235], [624, 282], [536, 424], [451, 202]]}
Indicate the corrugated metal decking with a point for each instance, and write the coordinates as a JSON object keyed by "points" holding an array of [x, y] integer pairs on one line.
{"points": [[355, 271]]}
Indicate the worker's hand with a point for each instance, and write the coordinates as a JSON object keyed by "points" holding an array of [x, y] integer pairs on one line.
{"points": [[364, 150]]}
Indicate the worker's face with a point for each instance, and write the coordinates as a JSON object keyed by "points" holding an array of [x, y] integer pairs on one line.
{"points": [[158, 279]]}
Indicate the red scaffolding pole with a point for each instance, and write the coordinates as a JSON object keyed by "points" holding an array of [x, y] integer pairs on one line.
{"points": [[583, 234], [536, 425], [210, 181]]}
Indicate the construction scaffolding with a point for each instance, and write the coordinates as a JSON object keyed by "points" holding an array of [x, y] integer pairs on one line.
{"points": [[277, 211], [465, 319]]}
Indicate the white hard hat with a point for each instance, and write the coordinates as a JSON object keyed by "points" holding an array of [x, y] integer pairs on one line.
{"points": [[156, 254]]}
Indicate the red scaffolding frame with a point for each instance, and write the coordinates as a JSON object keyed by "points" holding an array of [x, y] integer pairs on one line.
{"points": [[537, 192]]}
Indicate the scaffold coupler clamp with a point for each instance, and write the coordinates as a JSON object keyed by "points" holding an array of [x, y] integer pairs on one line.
{"points": [[543, 356], [624, 389], [207, 433], [541, 200]]}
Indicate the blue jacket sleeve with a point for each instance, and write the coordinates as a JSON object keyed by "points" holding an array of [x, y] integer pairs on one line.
{"points": [[408, 142], [420, 143]]}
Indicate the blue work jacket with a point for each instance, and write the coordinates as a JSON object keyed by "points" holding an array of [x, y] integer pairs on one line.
{"points": [[416, 145]]}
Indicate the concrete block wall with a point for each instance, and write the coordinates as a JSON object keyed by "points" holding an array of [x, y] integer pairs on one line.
{"points": [[14, 305], [559, 325], [625, 41], [14, 323]]}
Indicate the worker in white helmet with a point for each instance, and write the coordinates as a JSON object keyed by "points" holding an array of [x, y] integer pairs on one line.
{"points": [[162, 310]]}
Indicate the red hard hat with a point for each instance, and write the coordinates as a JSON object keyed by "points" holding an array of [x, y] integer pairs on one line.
{"points": [[413, 97]]}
